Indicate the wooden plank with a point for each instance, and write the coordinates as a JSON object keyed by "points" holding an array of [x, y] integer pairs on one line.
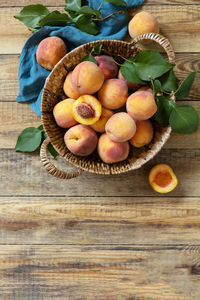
{"points": [[185, 63], [22, 116], [99, 220], [65, 272], [180, 36], [27, 177]]}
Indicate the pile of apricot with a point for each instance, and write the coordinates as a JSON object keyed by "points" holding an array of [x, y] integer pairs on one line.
{"points": [[103, 111]]}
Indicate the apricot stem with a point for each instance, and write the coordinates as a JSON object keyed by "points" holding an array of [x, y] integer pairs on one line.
{"points": [[105, 18], [100, 5]]}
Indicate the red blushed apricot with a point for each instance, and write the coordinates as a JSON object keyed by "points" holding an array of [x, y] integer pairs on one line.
{"points": [[113, 94], [87, 78], [86, 110], [81, 140], [68, 88], [141, 105], [145, 88], [143, 135], [110, 151], [120, 127], [131, 86], [63, 113], [142, 22], [99, 126], [50, 51], [162, 178], [107, 65]]}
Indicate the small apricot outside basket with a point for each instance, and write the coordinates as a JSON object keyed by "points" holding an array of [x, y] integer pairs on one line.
{"points": [[53, 93]]}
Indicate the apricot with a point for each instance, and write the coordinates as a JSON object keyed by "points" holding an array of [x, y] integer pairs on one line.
{"points": [[69, 89], [107, 65], [142, 22], [120, 127], [145, 88], [63, 113], [110, 151], [99, 126], [141, 105], [81, 140], [113, 94], [50, 51], [162, 178], [143, 135], [86, 110], [131, 86], [87, 78]]}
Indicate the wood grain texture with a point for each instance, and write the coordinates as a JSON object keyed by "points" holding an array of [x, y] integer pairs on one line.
{"points": [[100, 273], [27, 177], [99, 220], [185, 63], [180, 36]]}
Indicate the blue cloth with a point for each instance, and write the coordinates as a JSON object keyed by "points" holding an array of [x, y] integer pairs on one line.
{"points": [[32, 76]]}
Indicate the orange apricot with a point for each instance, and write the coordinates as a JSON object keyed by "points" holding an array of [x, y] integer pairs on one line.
{"points": [[107, 65], [162, 178], [99, 126], [69, 89], [143, 135], [145, 88], [63, 113]]}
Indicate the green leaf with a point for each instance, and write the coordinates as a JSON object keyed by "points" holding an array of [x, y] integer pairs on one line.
{"points": [[151, 63], [55, 18], [90, 57], [156, 87], [184, 119], [185, 86], [165, 106], [169, 81], [97, 49], [85, 24], [129, 72], [29, 140], [52, 151], [40, 128], [87, 10], [31, 15], [117, 2], [73, 5]]}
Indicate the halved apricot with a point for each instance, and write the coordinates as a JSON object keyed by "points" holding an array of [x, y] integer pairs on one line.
{"points": [[162, 178], [86, 110]]}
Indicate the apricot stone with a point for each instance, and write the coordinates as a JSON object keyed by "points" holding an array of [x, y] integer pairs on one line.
{"points": [[162, 178], [81, 140], [143, 135], [142, 22], [107, 65], [63, 113], [131, 86], [110, 151], [50, 51], [141, 105], [87, 78], [86, 110], [99, 126], [113, 93], [69, 89], [120, 127]]}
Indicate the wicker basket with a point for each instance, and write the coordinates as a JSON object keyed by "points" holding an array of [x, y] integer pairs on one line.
{"points": [[53, 93]]}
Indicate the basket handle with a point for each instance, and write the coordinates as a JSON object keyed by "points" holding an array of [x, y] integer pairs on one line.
{"points": [[49, 166], [161, 40]]}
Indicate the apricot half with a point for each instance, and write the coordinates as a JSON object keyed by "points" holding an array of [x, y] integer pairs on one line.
{"points": [[162, 178], [86, 110]]}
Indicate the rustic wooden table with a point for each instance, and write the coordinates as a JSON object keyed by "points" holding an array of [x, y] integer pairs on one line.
{"points": [[96, 237]]}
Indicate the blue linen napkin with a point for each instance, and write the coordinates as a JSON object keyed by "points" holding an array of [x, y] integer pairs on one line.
{"points": [[32, 76]]}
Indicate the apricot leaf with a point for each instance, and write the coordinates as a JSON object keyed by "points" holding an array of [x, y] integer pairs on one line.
{"points": [[169, 81], [117, 2], [129, 72], [55, 18], [73, 5], [97, 49], [156, 87], [90, 57], [29, 140], [185, 86], [85, 24], [165, 106]]}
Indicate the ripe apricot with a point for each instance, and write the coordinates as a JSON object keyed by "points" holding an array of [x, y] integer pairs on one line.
{"points": [[81, 140], [143, 135], [131, 86], [87, 78], [50, 51], [63, 113], [141, 105], [99, 126], [113, 93], [110, 151], [162, 178], [145, 88], [142, 22], [107, 65], [69, 89], [86, 110], [120, 127]]}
